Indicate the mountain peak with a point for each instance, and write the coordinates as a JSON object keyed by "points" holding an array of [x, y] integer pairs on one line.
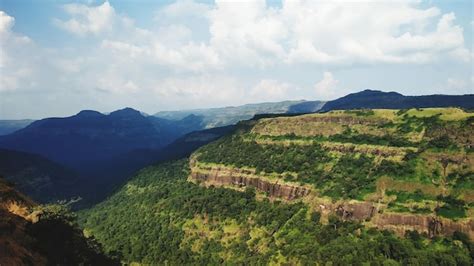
{"points": [[369, 92], [126, 112], [89, 113]]}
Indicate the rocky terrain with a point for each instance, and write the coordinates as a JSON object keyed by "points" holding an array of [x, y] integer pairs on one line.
{"points": [[32, 234]]}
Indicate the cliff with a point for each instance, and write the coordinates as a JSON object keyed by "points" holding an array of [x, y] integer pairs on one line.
{"points": [[372, 213], [242, 178]]}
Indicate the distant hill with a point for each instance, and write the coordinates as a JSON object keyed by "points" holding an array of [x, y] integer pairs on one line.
{"points": [[393, 100], [217, 117], [36, 176], [91, 136], [10, 126], [306, 107], [102, 149]]}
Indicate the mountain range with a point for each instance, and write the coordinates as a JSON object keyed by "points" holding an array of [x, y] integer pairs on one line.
{"points": [[90, 154], [296, 182], [218, 117]]}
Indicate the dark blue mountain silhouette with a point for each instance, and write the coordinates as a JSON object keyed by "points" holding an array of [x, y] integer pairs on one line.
{"points": [[392, 100], [383, 100], [91, 136]]}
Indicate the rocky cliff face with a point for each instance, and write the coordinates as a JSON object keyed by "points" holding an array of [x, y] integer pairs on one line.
{"points": [[240, 178], [431, 225], [347, 210]]}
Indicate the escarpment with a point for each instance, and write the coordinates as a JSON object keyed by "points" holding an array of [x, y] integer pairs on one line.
{"points": [[241, 178], [352, 210], [390, 169]]}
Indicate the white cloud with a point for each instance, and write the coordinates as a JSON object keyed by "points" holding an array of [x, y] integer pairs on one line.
{"points": [[6, 23], [456, 85], [326, 89], [15, 56], [272, 90], [183, 8], [87, 19], [252, 34], [200, 91]]}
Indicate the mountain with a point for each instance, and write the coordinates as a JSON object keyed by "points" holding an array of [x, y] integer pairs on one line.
{"points": [[38, 177], [348, 187], [10, 126], [46, 236], [217, 117], [393, 100], [100, 150], [91, 136], [306, 107]]}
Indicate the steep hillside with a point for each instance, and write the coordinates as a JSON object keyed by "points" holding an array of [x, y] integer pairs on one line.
{"points": [[299, 189], [36, 176], [217, 117], [32, 234], [391, 100], [407, 169], [160, 218], [10, 126]]}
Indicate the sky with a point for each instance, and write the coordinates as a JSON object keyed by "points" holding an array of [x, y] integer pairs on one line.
{"points": [[59, 57]]}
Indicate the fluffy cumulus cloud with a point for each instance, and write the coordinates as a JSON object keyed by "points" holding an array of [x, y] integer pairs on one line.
{"points": [[327, 87], [229, 52], [87, 20], [15, 58], [253, 34], [273, 90]]}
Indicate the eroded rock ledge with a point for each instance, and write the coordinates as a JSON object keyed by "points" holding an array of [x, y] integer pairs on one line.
{"points": [[240, 178]]}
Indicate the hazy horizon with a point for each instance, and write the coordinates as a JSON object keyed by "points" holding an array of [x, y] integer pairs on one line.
{"points": [[60, 57]]}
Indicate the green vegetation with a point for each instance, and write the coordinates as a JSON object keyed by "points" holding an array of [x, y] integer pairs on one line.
{"points": [[410, 161], [350, 177], [160, 218], [403, 196], [452, 208], [343, 153]]}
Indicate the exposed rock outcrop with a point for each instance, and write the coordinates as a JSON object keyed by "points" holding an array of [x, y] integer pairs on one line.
{"points": [[430, 225], [355, 211], [244, 178], [363, 211]]}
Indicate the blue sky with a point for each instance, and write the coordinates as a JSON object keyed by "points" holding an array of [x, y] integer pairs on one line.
{"points": [[59, 57]]}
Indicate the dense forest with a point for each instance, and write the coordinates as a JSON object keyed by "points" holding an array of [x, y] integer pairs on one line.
{"points": [[159, 217]]}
